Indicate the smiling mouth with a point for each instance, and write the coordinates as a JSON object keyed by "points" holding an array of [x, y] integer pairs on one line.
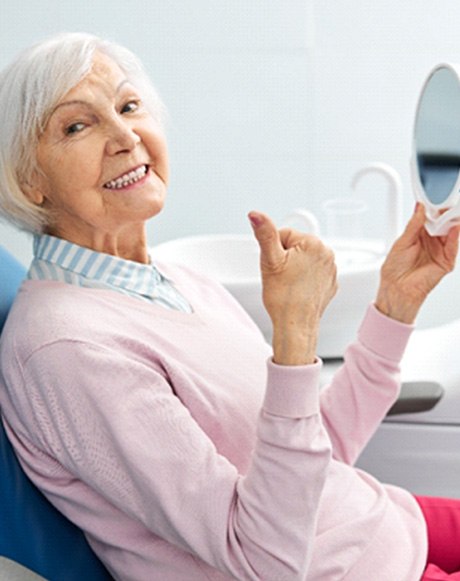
{"points": [[128, 178]]}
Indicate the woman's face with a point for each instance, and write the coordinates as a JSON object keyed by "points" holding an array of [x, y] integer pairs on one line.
{"points": [[102, 159]]}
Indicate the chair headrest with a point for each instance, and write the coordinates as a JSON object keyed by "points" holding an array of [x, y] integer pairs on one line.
{"points": [[12, 272]]}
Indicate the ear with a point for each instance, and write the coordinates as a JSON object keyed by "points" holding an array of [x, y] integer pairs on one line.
{"points": [[33, 188]]}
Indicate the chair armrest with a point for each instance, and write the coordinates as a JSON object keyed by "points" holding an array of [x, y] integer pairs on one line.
{"points": [[417, 396]]}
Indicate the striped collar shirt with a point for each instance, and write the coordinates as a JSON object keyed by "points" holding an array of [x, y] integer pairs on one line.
{"points": [[59, 260]]}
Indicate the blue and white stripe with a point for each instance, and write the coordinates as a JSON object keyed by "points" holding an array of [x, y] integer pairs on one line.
{"points": [[59, 260]]}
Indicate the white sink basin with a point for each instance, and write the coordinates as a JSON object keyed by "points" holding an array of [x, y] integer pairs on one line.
{"points": [[233, 260]]}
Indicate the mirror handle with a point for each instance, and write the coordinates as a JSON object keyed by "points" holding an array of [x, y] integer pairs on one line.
{"points": [[441, 224]]}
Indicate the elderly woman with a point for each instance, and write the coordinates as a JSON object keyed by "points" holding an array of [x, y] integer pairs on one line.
{"points": [[144, 402]]}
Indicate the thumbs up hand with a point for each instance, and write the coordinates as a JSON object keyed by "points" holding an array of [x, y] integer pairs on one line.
{"points": [[299, 279]]}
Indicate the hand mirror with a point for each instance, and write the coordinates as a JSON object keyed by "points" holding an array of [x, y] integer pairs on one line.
{"points": [[436, 149]]}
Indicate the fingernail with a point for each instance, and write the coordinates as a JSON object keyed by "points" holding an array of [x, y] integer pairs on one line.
{"points": [[255, 220]]}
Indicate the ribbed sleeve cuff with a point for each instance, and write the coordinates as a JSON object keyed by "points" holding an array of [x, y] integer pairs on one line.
{"points": [[292, 391], [384, 336]]}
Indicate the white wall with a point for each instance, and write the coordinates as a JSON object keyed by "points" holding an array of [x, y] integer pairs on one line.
{"points": [[235, 78], [273, 103]]}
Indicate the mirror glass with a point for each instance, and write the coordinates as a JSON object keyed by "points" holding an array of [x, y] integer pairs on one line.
{"points": [[437, 135]]}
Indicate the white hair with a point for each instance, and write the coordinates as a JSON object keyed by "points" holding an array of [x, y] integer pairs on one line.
{"points": [[30, 88]]}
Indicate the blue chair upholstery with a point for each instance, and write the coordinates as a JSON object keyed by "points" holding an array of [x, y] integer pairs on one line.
{"points": [[11, 275], [32, 532]]}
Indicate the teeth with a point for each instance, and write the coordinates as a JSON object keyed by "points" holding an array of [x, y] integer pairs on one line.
{"points": [[127, 179]]}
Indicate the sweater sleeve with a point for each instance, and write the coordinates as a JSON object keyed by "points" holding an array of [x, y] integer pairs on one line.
{"points": [[116, 425], [365, 386]]}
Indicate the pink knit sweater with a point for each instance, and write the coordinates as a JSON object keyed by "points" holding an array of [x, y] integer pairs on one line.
{"points": [[185, 454]]}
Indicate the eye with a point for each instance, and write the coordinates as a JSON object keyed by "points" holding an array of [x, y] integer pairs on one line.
{"points": [[131, 106], [74, 128]]}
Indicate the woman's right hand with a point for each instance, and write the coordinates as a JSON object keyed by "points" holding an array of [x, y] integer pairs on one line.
{"points": [[299, 279]]}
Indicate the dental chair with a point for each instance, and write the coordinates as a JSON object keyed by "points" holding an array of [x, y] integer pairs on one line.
{"points": [[34, 536]]}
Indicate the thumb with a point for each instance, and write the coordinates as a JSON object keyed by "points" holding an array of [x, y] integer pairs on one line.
{"points": [[267, 235]]}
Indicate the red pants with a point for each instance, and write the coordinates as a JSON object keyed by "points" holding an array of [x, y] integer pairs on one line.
{"points": [[442, 516]]}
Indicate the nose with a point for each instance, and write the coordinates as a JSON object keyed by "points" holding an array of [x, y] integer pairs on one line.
{"points": [[121, 137]]}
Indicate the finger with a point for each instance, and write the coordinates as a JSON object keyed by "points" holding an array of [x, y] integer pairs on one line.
{"points": [[414, 226], [267, 235], [290, 238]]}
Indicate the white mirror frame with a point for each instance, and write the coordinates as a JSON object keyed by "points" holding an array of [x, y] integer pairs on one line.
{"points": [[440, 217]]}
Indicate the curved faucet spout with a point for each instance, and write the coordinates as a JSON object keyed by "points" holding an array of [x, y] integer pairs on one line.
{"points": [[394, 196]]}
